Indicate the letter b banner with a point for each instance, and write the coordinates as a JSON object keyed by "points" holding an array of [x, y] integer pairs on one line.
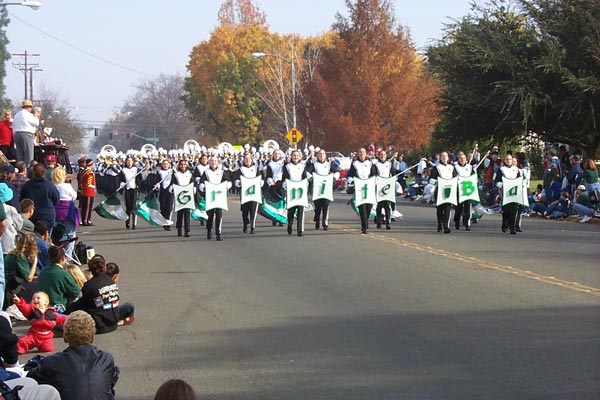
{"points": [[468, 189]]}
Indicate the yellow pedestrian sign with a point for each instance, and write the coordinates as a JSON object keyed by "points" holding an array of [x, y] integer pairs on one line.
{"points": [[294, 136]]}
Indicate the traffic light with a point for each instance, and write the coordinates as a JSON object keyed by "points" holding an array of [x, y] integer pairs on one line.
{"points": [[128, 134], [95, 131]]}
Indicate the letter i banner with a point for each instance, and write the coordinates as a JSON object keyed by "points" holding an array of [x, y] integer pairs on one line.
{"points": [[447, 191], [512, 190], [216, 195], [365, 191], [322, 187], [468, 189], [250, 189], [184, 197], [296, 193]]}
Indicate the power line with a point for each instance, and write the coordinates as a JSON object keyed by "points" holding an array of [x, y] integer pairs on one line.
{"points": [[78, 49]]}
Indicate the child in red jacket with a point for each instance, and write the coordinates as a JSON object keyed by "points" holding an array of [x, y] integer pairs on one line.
{"points": [[43, 320]]}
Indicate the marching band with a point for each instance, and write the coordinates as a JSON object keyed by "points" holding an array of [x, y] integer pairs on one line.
{"points": [[194, 182]]}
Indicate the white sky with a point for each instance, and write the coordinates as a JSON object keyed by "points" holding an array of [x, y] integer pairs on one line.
{"points": [[153, 37]]}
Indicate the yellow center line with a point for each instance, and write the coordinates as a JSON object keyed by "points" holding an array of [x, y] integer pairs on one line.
{"points": [[489, 265]]}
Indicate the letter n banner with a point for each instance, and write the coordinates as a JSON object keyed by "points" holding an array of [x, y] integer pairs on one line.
{"points": [[296, 193]]}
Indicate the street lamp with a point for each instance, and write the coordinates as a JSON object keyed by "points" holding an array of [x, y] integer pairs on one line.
{"points": [[34, 5], [291, 62]]}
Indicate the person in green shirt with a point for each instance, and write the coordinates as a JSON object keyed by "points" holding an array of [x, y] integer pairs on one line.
{"points": [[57, 282], [20, 266], [584, 206], [590, 175]]}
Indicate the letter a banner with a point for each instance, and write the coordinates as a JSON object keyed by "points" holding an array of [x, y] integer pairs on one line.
{"points": [[446, 191], [364, 191], [184, 197], [322, 187], [512, 190], [216, 195], [296, 193], [386, 189], [250, 190], [468, 189]]}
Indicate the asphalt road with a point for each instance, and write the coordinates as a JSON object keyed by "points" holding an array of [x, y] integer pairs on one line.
{"points": [[400, 314]]}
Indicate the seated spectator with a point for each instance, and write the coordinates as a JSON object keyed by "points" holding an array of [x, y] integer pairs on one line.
{"points": [[43, 319], [7, 176], [535, 200], [590, 176], [82, 371], [42, 237], [583, 205], [21, 176], [100, 298], [27, 209], [415, 189], [31, 390], [20, 266], [126, 310], [50, 161], [44, 194], [8, 343], [76, 273], [429, 191], [56, 282], [175, 389], [14, 221], [560, 207]]}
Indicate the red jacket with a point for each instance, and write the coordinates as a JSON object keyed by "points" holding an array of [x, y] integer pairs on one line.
{"points": [[6, 133], [41, 322], [88, 183]]}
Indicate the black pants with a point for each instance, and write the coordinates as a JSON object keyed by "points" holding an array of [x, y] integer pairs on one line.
{"points": [[215, 217], [86, 205], [443, 215], [364, 211], [165, 198], [290, 217], [322, 211], [387, 207], [509, 216], [463, 210], [9, 152], [183, 218], [249, 214], [130, 197]]}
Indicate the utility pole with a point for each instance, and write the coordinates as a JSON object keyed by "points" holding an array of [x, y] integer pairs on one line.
{"points": [[25, 67], [31, 81]]}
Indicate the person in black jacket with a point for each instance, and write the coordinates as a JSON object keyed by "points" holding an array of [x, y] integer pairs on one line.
{"points": [[44, 195], [81, 371], [100, 298]]}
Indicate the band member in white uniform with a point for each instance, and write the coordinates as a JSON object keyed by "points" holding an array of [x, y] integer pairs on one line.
{"points": [[295, 170], [362, 168], [165, 191], [444, 211], [463, 210], [249, 210], [127, 176], [385, 169], [273, 175], [510, 210], [320, 166], [215, 175], [183, 177]]}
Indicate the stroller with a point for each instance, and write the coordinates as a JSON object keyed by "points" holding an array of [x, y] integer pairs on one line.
{"points": [[60, 239]]}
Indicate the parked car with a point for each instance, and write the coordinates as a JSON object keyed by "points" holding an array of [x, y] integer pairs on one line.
{"points": [[344, 161]]}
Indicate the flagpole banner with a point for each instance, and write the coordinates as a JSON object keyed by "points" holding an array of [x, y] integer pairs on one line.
{"points": [[525, 188], [468, 189], [296, 193], [110, 208], [385, 189], [148, 209], [447, 191], [365, 191], [273, 207], [322, 187], [250, 189], [512, 190], [199, 213], [183, 197], [216, 195]]}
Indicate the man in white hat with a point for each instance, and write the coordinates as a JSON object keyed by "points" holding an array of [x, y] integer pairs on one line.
{"points": [[25, 124]]}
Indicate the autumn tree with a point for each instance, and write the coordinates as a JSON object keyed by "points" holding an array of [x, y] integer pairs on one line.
{"points": [[371, 86], [220, 92]]}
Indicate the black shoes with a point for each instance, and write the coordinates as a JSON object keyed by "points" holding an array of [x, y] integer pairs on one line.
{"points": [[245, 230], [127, 224], [447, 230], [208, 235], [325, 228], [289, 229], [363, 231], [388, 227], [252, 230], [219, 238], [457, 225], [439, 227], [187, 234], [300, 234], [317, 225], [179, 232], [167, 227]]}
